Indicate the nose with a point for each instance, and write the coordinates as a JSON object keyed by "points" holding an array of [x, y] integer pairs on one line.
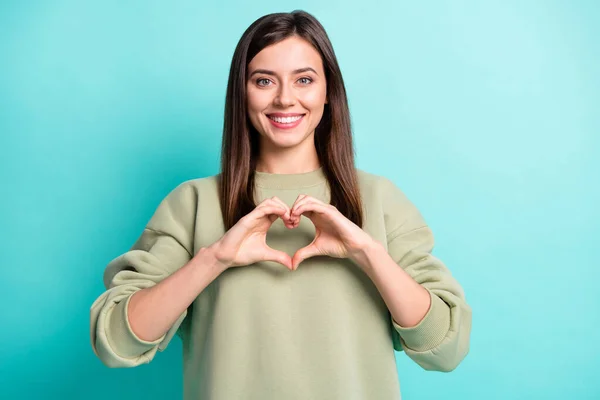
{"points": [[285, 96]]}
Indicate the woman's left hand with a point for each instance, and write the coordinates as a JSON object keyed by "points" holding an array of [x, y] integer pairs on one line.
{"points": [[335, 236]]}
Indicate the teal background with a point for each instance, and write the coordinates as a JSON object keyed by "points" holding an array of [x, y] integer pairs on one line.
{"points": [[485, 113]]}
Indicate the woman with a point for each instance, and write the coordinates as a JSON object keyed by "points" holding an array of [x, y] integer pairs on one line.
{"points": [[268, 304]]}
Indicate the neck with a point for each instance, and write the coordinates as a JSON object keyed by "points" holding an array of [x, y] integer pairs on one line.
{"points": [[288, 161]]}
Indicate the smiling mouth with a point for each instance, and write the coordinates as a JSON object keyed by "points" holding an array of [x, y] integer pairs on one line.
{"points": [[286, 122]]}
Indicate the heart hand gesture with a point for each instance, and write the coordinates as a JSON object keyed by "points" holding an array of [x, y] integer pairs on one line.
{"points": [[246, 242], [335, 236]]}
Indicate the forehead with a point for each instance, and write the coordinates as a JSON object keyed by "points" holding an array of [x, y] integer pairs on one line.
{"points": [[285, 56]]}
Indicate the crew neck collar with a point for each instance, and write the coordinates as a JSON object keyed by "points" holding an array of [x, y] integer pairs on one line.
{"points": [[289, 181]]}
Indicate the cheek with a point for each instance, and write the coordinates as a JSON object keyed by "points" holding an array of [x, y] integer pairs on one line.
{"points": [[257, 101], [314, 99], [256, 104]]}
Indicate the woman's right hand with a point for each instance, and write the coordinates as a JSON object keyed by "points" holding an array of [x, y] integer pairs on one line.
{"points": [[246, 242]]}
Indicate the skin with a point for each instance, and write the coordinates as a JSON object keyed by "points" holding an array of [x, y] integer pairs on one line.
{"points": [[287, 151], [293, 151], [153, 310]]}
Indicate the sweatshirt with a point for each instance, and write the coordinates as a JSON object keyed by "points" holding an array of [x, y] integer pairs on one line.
{"points": [[264, 332]]}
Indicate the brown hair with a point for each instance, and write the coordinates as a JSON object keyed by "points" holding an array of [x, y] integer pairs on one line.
{"points": [[333, 135]]}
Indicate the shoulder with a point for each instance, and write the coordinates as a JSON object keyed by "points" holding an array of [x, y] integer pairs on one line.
{"points": [[189, 192], [204, 184], [378, 184], [386, 195]]}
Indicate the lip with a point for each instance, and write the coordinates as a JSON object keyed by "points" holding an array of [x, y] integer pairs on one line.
{"points": [[283, 115], [285, 126]]}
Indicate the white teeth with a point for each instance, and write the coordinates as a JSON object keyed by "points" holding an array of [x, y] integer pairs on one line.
{"points": [[287, 120]]}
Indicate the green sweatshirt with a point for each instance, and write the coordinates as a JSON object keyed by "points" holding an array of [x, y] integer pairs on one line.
{"points": [[265, 332]]}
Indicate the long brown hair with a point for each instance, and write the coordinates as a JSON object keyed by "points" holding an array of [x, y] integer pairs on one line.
{"points": [[333, 135]]}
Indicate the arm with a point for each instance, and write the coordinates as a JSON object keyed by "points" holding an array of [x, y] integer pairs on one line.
{"points": [[151, 312], [429, 312], [406, 299], [158, 267]]}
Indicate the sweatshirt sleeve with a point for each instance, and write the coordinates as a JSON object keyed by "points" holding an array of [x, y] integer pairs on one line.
{"points": [[165, 245], [440, 341]]}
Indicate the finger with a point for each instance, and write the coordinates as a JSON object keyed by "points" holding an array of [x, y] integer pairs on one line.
{"points": [[298, 200], [310, 206], [295, 215], [272, 201], [305, 197], [300, 197], [302, 254], [308, 199], [279, 257], [263, 210], [276, 201], [286, 217], [270, 205]]}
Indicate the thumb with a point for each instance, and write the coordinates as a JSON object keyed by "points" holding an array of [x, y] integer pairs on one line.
{"points": [[302, 254], [278, 257]]}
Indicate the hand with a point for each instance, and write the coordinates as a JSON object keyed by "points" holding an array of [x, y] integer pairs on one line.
{"points": [[336, 236], [246, 242]]}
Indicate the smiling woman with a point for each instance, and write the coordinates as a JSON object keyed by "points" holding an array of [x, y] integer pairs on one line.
{"points": [[286, 103], [292, 274], [285, 66]]}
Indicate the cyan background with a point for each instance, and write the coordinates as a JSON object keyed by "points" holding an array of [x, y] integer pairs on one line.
{"points": [[486, 113]]}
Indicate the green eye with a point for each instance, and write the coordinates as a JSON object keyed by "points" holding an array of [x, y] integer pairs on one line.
{"points": [[304, 81], [261, 79]]}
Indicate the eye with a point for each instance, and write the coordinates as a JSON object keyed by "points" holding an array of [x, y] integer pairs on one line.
{"points": [[260, 80], [306, 79]]}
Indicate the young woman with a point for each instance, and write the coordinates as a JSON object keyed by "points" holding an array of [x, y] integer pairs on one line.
{"points": [[291, 274]]}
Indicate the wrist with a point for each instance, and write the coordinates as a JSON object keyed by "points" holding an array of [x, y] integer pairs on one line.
{"points": [[215, 257], [367, 253]]}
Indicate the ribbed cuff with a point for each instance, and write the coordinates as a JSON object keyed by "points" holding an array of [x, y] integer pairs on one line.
{"points": [[121, 337], [431, 330]]}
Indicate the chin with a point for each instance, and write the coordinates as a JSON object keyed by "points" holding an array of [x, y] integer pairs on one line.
{"points": [[286, 143], [287, 140]]}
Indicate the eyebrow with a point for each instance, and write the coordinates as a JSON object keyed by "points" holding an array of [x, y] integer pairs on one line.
{"points": [[296, 71]]}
